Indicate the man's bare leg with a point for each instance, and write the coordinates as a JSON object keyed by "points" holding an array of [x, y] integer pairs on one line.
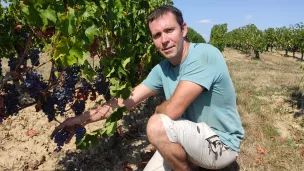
{"points": [[173, 153]]}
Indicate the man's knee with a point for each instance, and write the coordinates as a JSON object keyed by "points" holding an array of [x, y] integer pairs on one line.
{"points": [[155, 129]]}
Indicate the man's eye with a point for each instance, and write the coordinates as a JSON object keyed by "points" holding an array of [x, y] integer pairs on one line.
{"points": [[156, 36], [169, 30]]}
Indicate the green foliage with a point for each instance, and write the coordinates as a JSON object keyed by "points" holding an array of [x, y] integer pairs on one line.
{"points": [[299, 37], [250, 38], [270, 37], [247, 38], [256, 39], [284, 37], [10, 34], [72, 31], [194, 36], [217, 36]]}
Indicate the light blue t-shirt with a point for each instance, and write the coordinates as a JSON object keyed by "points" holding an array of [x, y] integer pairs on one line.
{"points": [[216, 105]]}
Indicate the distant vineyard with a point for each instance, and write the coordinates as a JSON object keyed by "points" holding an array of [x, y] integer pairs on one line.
{"points": [[249, 38]]}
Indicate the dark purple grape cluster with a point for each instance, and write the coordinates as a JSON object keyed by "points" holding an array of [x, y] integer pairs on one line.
{"points": [[34, 57], [49, 108], [71, 79], [64, 94], [85, 86], [78, 107], [60, 138], [101, 85], [12, 63], [79, 133], [60, 99], [33, 82], [11, 101]]}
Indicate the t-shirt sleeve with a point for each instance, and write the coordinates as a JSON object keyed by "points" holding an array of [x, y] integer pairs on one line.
{"points": [[153, 80], [201, 70]]}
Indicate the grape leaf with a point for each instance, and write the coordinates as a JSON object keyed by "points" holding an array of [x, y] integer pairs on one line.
{"points": [[75, 52], [88, 71], [68, 60], [88, 141], [69, 23], [91, 32], [48, 14], [125, 62]]}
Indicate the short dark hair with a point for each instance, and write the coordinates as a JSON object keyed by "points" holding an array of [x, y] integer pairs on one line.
{"points": [[161, 10]]}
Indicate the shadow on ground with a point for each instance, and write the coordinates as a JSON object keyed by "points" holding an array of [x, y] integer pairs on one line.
{"points": [[297, 101], [115, 153]]}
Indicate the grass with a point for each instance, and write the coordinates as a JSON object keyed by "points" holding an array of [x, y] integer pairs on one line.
{"points": [[273, 137]]}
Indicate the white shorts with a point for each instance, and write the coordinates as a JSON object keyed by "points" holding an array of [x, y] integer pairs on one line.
{"points": [[202, 145]]}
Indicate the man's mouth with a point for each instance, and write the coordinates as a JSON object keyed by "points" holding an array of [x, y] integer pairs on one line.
{"points": [[167, 49]]}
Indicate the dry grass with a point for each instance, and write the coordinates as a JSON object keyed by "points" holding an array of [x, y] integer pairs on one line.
{"points": [[274, 139]]}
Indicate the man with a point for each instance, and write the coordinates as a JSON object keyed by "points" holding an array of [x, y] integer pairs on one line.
{"points": [[199, 123]]}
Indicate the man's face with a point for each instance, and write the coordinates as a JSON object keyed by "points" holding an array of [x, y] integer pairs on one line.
{"points": [[167, 36]]}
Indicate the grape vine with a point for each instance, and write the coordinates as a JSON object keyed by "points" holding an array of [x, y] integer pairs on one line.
{"points": [[95, 48]]}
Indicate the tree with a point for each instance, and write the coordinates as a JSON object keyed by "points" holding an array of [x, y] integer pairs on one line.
{"points": [[284, 36], [299, 38], [247, 38], [217, 36], [256, 39], [270, 38], [194, 36]]}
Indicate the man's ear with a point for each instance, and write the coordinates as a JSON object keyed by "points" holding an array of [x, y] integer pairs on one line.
{"points": [[184, 29]]}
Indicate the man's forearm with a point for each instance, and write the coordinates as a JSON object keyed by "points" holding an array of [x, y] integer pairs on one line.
{"points": [[169, 109], [138, 94], [162, 107]]}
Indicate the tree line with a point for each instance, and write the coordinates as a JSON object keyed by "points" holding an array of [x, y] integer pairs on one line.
{"points": [[250, 39]]}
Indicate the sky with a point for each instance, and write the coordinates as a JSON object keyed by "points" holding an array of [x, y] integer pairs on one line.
{"points": [[201, 15]]}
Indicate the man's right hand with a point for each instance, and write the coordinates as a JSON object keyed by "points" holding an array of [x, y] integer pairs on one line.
{"points": [[69, 125], [72, 123]]}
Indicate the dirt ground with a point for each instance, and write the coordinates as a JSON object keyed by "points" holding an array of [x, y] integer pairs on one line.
{"points": [[25, 142]]}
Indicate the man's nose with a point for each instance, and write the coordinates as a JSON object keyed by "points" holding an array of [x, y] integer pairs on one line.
{"points": [[165, 38]]}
